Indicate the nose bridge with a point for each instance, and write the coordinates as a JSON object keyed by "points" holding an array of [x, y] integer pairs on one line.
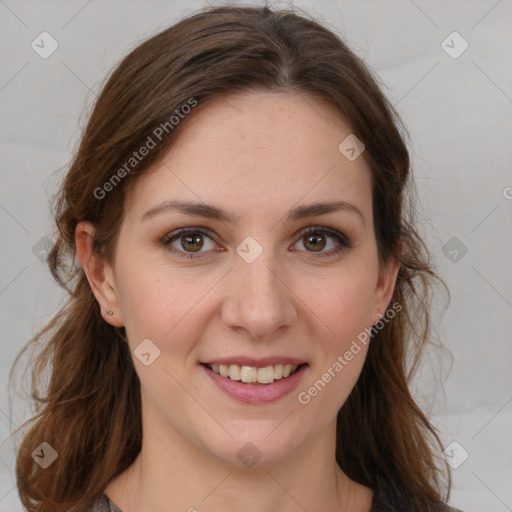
{"points": [[257, 299]]}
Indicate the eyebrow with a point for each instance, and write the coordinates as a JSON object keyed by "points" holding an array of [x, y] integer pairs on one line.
{"points": [[214, 212]]}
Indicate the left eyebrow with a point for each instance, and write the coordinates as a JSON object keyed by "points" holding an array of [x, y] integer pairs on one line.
{"points": [[214, 212], [315, 209]]}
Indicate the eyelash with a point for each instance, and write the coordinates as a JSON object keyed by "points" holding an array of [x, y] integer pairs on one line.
{"points": [[343, 241]]}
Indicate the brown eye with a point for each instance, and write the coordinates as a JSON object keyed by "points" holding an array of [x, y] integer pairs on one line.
{"points": [[191, 242], [314, 242], [188, 242], [315, 239]]}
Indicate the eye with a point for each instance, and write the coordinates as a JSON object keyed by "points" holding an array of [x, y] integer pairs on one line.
{"points": [[190, 241], [315, 240]]}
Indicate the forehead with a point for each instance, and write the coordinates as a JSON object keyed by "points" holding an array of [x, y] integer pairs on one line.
{"points": [[253, 151]]}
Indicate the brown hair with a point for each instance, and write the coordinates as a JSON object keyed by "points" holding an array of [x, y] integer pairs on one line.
{"points": [[89, 411]]}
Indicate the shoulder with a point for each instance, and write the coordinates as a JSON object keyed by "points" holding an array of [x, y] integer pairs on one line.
{"points": [[102, 504]]}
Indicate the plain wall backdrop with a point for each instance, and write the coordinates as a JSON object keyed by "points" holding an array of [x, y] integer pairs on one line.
{"points": [[446, 65]]}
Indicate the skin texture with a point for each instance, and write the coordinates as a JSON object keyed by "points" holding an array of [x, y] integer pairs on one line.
{"points": [[257, 155]]}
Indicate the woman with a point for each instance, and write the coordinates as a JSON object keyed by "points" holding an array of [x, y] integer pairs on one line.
{"points": [[247, 288]]}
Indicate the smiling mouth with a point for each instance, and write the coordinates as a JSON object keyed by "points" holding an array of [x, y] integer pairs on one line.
{"points": [[252, 375]]}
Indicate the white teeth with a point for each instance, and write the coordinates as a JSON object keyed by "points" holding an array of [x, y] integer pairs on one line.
{"points": [[234, 372], [248, 374], [266, 375], [251, 374], [287, 370]]}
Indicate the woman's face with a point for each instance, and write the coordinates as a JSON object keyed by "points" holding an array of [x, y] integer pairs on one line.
{"points": [[248, 284]]}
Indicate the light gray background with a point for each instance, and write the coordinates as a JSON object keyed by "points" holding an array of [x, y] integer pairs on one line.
{"points": [[457, 110]]}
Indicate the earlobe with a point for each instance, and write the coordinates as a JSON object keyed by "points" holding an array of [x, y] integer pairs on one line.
{"points": [[99, 274]]}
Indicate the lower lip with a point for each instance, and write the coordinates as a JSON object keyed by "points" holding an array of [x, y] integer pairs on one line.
{"points": [[256, 394]]}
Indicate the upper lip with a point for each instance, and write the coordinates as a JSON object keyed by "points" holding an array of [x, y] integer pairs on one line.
{"points": [[256, 362]]}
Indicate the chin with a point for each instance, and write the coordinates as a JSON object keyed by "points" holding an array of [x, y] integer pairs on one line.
{"points": [[255, 446]]}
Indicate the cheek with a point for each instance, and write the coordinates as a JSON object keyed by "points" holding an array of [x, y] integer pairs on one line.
{"points": [[344, 308], [342, 300], [147, 299], [162, 304]]}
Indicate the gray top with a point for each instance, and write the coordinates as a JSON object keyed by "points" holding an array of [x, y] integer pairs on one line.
{"points": [[384, 500], [103, 504]]}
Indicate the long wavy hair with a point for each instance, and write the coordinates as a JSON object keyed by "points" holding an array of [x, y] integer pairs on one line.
{"points": [[84, 388]]}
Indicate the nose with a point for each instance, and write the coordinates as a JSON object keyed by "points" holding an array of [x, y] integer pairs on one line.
{"points": [[258, 299]]}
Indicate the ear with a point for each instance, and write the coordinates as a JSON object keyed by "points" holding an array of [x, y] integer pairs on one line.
{"points": [[99, 274], [386, 283]]}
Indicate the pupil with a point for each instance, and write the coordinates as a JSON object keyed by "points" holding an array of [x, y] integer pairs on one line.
{"points": [[316, 240], [193, 239]]}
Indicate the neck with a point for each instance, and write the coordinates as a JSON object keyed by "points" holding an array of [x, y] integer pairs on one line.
{"points": [[169, 469]]}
